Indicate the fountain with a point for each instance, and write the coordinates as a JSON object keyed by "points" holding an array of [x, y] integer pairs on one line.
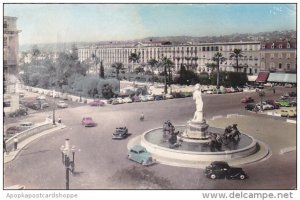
{"points": [[196, 144]]}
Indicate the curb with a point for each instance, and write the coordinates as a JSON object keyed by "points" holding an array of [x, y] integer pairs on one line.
{"points": [[13, 154]]}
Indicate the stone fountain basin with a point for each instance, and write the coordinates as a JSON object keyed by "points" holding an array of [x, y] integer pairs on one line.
{"points": [[193, 151]]}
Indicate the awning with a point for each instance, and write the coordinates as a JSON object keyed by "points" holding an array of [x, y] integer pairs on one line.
{"points": [[282, 78], [262, 77], [252, 78]]}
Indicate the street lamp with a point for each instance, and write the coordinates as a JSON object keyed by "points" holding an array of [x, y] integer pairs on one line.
{"points": [[53, 116], [67, 162]]}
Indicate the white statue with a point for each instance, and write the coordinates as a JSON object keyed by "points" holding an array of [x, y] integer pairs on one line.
{"points": [[197, 96]]}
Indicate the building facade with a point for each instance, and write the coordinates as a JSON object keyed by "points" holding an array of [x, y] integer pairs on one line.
{"points": [[195, 56], [279, 56], [10, 63]]}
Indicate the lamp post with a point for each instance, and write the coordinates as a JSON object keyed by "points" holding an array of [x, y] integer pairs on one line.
{"points": [[66, 160], [53, 115]]}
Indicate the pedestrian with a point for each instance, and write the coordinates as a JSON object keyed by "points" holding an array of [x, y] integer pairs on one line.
{"points": [[16, 143], [59, 120], [273, 90], [142, 117], [4, 146]]}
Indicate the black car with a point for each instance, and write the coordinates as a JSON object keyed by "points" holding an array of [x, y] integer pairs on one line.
{"points": [[250, 106], [120, 133], [22, 111], [221, 169], [292, 94]]}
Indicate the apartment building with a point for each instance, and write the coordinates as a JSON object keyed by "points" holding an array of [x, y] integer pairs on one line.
{"points": [[196, 56]]}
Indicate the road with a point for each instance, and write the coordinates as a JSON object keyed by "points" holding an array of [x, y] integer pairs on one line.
{"points": [[101, 162]]}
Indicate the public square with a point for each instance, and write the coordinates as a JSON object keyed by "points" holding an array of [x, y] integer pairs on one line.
{"points": [[101, 163]]}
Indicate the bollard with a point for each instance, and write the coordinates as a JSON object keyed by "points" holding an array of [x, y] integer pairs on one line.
{"points": [[15, 143]]}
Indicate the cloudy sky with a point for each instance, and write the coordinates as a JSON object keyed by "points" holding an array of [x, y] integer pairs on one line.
{"points": [[48, 23]]}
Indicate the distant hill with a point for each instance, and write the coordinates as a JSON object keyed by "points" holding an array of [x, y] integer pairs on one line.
{"points": [[236, 37]]}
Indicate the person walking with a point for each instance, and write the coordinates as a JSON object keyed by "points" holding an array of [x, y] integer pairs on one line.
{"points": [[16, 143]]}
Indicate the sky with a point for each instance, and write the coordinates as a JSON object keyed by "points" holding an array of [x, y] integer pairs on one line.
{"points": [[51, 23]]}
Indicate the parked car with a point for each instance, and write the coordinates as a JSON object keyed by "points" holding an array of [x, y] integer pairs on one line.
{"points": [[247, 100], [13, 130], [158, 98], [127, 100], [211, 91], [136, 99], [115, 102], [144, 98], [120, 100], [273, 103], [283, 103], [139, 154], [22, 111], [292, 94], [220, 169], [43, 104], [109, 101], [187, 94], [87, 122], [288, 113], [42, 97], [25, 125], [96, 102], [177, 95], [150, 97], [120, 133], [62, 104], [33, 105], [265, 106], [250, 106], [293, 103], [169, 96]]}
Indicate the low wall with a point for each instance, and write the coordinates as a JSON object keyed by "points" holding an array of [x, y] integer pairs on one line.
{"points": [[28, 133]]}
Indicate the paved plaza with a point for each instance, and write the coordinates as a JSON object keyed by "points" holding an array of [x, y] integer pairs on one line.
{"points": [[101, 163]]}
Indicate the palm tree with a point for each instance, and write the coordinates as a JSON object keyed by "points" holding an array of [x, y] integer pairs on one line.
{"points": [[134, 58], [153, 64], [118, 66], [167, 64], [236, 54], [218, 58]]}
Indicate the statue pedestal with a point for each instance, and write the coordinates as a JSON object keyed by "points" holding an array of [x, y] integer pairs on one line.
{"points": [[196, 130]]}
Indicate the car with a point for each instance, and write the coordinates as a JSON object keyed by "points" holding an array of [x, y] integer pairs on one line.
{"points": [[221, 169], [169, 96], [283, 103], [33, 105], [25, 125], [115, 102], [109, 101], [288, 113], [292, 94], [43, 104], [136, 99], [247, 100], [42, 97], [139, 154], [88, 122], [158, 98], [13, 130], [120, 133], [22, 111], [127, 100], [284, 96], [62, 104], [150, 97], [273, 103], [211, 91], [143, 98], [177, 95], [265, 106], [187, 94], [120, 100], [293, 103], [96, 102], [250, 106]]}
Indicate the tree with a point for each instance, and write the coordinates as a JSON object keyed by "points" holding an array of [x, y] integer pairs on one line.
{"points": [[35, 53], [236, 54], [134, 58], [118, 66], [101, 70], [218, 58], [153, 64], [96, 61], [166, 63]]}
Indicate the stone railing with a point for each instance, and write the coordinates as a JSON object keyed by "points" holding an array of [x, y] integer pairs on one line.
{"points": [[38, 128]]}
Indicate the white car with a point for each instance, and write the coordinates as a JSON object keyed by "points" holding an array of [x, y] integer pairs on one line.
{"points": [[62, 104], [120, 100], [144, 98], [150, 97], [41, 97], [265, 106], [169, 96], [127, 100]]}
